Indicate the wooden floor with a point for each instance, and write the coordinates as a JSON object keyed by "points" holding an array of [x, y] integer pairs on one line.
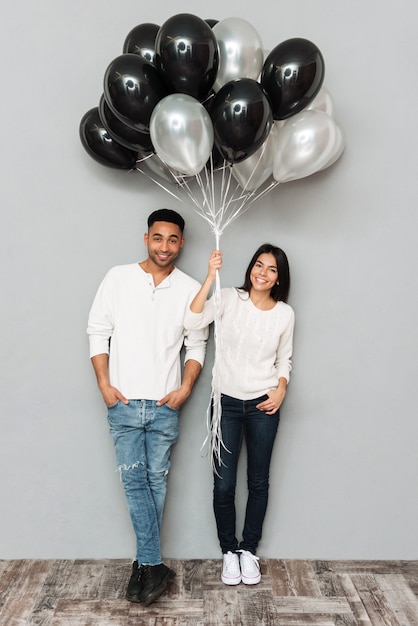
{"points": [[292, 593]]}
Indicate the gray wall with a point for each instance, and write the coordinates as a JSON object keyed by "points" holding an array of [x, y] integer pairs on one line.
{"points": [[343, 481]]}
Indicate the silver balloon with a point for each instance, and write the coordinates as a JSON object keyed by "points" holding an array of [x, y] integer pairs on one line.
{"points": [[182, 133], [241, 52], [251, 173], [322, 102], [152, 166], [308, 142]]}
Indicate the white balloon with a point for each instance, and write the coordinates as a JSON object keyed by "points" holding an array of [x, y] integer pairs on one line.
{"points": [[182, 133], [339, 149], [322, 102], [308, 142], [241, 52], [258, 167]]}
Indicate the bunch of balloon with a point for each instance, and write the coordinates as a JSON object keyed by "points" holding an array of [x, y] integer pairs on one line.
{"points": [[193, 103]]}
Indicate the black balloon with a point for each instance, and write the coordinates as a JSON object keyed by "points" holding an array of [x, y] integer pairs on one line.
{"points": [[141, 40], [186, 53], [216, 161], [242, 119], [208, 101], [132, 88], [123, 134], [217, 158], [211, 23], [292, 75], [100, 145]]}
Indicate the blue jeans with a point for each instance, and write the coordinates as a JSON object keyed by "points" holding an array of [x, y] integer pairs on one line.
{"points": [[241, 418], [143, 434]]}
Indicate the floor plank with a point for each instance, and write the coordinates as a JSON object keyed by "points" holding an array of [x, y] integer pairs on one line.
{"points": [[85, 592]]}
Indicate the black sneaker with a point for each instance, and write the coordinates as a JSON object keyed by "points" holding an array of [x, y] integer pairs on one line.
{"points": [[155, 579], [135, 584]]}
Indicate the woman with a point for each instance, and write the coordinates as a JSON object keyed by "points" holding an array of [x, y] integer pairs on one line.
{"points": [[256, 335]]}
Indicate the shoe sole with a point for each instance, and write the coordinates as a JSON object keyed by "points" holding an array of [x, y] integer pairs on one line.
{"points": [[133, 598], [231, 581], [251, 581], [158, 591]]}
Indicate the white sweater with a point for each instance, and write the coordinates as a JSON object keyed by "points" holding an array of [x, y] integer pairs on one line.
{"points": [[145, 326], [255, 345]]}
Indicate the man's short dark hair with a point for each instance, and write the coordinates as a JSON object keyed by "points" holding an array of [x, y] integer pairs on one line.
{"points": [[166, 215]]}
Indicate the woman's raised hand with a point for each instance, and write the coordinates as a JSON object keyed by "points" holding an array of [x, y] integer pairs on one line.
{"points": [[215, 263]]}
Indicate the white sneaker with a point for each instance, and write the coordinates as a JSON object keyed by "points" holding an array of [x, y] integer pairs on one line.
{"points": [[231, 573], [250, 568]]}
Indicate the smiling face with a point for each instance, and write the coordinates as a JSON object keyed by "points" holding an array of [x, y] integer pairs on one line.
{"points": [[264, 274], [164, 241]]}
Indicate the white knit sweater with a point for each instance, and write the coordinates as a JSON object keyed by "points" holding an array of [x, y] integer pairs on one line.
{"points": [[255, 345]]}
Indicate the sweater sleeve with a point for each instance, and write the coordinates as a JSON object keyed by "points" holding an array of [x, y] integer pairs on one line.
{"points": [[196, 321], [283, 363], [195, 345], [195, 338], [100, 322]]}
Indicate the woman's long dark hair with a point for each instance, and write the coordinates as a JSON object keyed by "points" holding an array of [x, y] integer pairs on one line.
{"points": [[280, 291]]}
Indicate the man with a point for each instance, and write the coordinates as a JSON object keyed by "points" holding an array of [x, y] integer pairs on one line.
{"points": [[136, 333]]}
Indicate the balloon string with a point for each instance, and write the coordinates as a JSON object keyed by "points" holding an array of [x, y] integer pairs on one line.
{"points": [[232, 202], [219, 210], [159, 184], [214, 410]]}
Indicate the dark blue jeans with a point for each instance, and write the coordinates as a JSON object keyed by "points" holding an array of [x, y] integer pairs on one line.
{"points": [[241, 419]]}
